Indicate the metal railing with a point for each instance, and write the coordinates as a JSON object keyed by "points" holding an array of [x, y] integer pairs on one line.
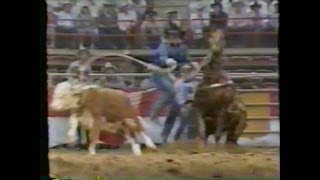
{"points": [[134, 36], [192, 52], [232, 75]]}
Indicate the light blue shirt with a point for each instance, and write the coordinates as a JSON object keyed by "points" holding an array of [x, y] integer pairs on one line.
{"points": [[184, 91]]}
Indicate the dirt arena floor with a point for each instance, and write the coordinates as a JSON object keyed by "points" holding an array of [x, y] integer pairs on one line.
{"points": [[175, 160]]}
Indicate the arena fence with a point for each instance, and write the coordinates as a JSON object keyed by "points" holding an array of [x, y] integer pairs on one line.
{"points": [[254, 38], [192, 52]]}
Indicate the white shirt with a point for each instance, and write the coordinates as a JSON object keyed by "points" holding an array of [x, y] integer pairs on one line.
{"points": [[156, 27], [124, 25], [184, 90], [198, 25], [138, 8], [66, 23], [264, 7], [225, 4], [76, 8], [261, 22], [238, 22], [274, 22], [195, 4]]}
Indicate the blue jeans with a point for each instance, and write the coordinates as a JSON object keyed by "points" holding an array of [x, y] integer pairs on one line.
{"points": [[188, 120], [165, 86], [174, 112]]}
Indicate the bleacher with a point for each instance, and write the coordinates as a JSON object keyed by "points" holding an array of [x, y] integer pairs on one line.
{"points": [[236, 60]]}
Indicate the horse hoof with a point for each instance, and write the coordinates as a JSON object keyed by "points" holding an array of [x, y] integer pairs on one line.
{"points": [[232, 143]]}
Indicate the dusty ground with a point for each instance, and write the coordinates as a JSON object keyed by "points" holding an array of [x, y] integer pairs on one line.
{"points": [[179, 160]]}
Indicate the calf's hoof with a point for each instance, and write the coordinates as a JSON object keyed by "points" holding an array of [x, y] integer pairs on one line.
{"points": [[154, 149], [92, 151], [136, 149]]}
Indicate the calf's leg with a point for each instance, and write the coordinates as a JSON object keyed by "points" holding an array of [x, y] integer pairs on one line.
{"points": [[94, 136], [72, 133], [148, 141], [135, 146]]}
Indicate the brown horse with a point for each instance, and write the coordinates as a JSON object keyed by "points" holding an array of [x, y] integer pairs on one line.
{"points": [[215, 94]]}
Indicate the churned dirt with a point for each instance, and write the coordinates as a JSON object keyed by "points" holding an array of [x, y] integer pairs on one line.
{"points": [[175, 160]]}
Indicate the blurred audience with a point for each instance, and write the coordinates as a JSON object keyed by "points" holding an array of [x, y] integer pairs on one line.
{"points": [[137, 7], [137, 17], [108, 25], [263, 4], [86, 26], [93, 7], [198, 21], [218, 18], [172, 20], [238, 11], [257, 15], [226, 4], [51, 25], [193, 6], [270, 6], [274, 23], [127, 20], [76, 6], [238, 25], [153, 29], [66, 24]]}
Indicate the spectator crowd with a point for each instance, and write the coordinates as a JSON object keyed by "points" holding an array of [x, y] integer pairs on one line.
{"points": [[124, 24]]}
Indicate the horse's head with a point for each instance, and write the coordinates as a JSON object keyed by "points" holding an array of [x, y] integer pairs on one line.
{"points": [[216, 41]]}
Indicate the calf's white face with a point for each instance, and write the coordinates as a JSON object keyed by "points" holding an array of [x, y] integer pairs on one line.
{"points": [[65, 97]]}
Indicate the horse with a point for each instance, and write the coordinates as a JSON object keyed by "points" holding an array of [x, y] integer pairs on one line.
{"points": [[214, 97]]}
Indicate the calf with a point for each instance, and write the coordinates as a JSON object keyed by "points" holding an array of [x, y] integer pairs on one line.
{"points": [[99, 109]]}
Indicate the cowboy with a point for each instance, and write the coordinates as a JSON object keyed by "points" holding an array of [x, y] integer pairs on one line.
{"points": [[163, 81], [184, 88], [173, 47], [81, 67], [171, 54], [114, 82]]}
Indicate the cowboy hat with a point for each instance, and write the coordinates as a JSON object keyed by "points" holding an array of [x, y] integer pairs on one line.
{"points": [[83, 50], [238, 3], [171, 62], [200, 7], [108, 65], [255, 5], [216, 4]]}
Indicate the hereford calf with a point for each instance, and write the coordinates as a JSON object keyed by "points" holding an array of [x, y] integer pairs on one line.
{"points": [[99, 109]]}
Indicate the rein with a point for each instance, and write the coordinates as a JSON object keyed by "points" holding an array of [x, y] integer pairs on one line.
{"points": [[216, 85]]}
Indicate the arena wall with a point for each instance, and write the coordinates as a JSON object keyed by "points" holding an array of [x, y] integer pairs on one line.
{"points": [[259, 104]]}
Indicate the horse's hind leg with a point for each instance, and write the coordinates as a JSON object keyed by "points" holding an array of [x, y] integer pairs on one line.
{"points": [[201, 129], [220, 126], [231, 138]]}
